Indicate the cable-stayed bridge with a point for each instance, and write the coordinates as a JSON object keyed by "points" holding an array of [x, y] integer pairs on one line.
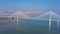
{"points": [[50, 16], [46, 16]]}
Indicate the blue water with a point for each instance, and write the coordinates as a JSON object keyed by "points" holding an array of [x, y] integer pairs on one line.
{"points": [[29, 26]]}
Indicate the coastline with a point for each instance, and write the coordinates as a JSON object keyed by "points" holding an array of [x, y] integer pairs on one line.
{"points": [[3, 21]]}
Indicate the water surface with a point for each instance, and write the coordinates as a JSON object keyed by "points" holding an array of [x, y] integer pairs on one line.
{"points": [[29, 26]]}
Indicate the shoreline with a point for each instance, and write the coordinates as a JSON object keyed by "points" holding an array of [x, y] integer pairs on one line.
{"points": [[4, 20]]}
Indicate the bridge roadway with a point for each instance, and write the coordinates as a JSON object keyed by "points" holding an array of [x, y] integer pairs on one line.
{"points": [[42, 19]]}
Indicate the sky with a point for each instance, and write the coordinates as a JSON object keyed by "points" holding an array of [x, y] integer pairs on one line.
{"points": [[29, 5]]}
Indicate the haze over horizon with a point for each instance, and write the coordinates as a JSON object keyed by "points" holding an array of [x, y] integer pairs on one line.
{"points": [[29, 5]]}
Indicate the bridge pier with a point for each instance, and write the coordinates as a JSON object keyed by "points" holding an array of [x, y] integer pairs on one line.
{"points": [[17, 19], [57, 25], [50, 22]]}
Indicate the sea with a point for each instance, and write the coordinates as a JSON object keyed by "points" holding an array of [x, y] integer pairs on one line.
{"points": [[30, 26]]}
